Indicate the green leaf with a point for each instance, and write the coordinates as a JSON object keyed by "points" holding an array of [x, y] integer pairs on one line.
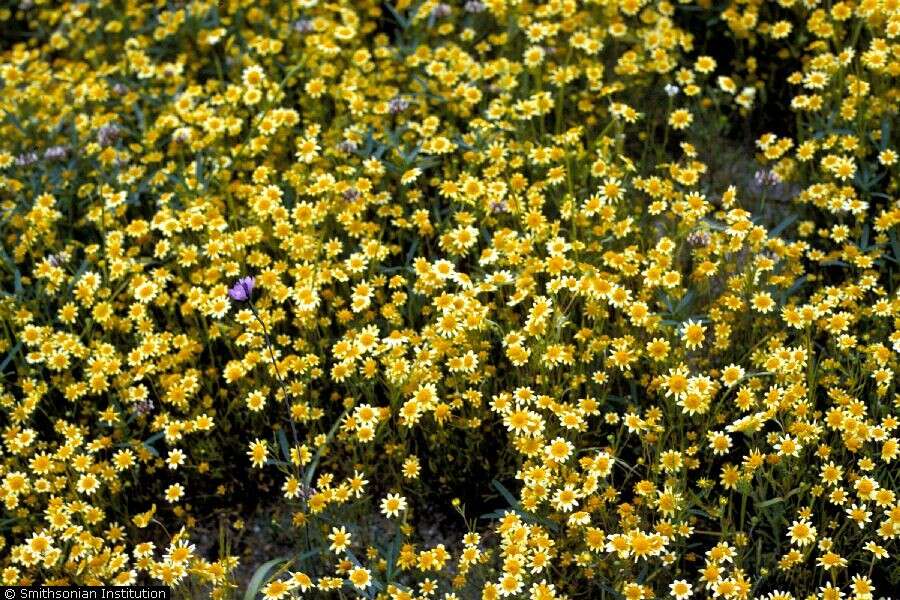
{"points": [[401, 20], [259, 577], [392, 555], [685, 302], [783, 225], [770, 502], [148, 443], [10, 356], [505, 493], [412, 251], [492, 515], [798, 283], [667, 301], [283, 444], [514, 504], [308, 554]]}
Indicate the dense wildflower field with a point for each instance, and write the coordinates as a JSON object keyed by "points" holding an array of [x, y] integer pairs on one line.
{"points": [[455, 300]]}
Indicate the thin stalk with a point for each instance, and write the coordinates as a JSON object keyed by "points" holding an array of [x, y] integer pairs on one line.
{"points": [[277, 373]]}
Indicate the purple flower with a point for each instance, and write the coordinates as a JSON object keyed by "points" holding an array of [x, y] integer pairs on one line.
{"points": [[241, 291], [108, 134], [397, 105], [56, 153], [441, 11], [26, 159], [764, 177], [474, 6], [303, 26]]}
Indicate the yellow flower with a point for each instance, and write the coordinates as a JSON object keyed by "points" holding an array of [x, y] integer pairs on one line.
{"points": [[339, 538], [393, 505], [692, 334], [410, 176], [258, 452], [360, 578], [802, 533], [174, 493]]}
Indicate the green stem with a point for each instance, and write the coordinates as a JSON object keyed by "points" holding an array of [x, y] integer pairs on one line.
{"points": [[277, 373]]}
